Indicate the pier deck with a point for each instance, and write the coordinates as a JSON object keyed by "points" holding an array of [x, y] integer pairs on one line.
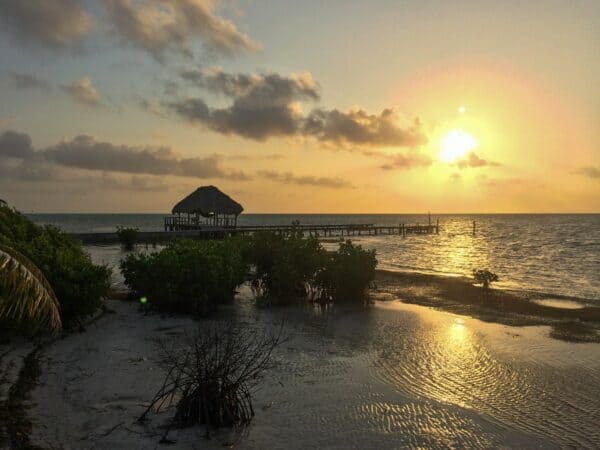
{"points": [[212, 232]]}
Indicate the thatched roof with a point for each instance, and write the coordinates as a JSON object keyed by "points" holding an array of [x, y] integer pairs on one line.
{"points": [[208, 200]]}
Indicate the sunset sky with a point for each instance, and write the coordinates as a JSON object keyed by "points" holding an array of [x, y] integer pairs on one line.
{"points": [[301, 106]]}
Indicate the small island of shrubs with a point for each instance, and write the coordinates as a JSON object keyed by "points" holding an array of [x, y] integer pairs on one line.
{"points": [[196, 276]]}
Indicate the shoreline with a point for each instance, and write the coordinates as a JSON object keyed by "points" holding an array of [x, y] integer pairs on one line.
{"points": [[510, 307]]}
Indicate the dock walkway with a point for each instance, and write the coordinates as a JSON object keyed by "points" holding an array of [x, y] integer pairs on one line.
{"points": [[212, 232]]}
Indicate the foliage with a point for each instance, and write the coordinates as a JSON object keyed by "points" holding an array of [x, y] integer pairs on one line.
{"points": [[346, 274], [209, 380], [484, 277], [128, 237], [285, 264], [25, 295], [187, 276], [79, 284]]}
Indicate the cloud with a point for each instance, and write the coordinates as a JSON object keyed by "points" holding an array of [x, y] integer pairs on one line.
{"points": [[408, 161], [263, 105], [269, 105], [49, 23], [16, 145], [86, 153], [589, 171], [83, 91], [305, 180], [28, 81], [361, 128], [160, 26], [472, 160], [216, 80]]}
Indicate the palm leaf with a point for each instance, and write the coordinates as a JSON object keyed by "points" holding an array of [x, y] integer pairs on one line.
{"points": [[25, 293]]}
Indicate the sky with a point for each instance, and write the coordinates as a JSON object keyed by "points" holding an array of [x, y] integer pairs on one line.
{"points": [[301, 107]]}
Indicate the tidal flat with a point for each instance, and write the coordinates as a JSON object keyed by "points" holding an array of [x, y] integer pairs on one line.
{"points": [[390, 375]]}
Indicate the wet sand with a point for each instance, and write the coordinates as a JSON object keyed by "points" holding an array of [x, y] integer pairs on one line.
{"points": [[387, 376], [571, 319]]}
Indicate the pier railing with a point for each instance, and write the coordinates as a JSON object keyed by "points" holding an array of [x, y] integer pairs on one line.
{"points": [[205, 231]]}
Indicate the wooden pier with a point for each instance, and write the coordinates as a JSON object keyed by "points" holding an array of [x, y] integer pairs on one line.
{"points": [[214, 232]]}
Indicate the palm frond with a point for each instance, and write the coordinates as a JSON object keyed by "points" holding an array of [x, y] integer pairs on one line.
{"points": [[25, 293]]}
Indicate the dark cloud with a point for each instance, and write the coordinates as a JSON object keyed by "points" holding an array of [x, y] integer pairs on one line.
{"points": [[264, 107], [358, 127], [85, 152], [472, 160], [28, 81], [50, 23], [305, 180], [403, 162], [159, 26], [16, 145], [268, 105], [590, 172], [83, 91], [216, 80]]}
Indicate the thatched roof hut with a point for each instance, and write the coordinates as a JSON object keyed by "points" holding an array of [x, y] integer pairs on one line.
{"points": [[207, 201]]}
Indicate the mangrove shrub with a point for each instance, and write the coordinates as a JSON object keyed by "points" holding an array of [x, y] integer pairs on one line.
{"points": [[346, 274], [128, 237], [210, 377], [79, 284], [186, 276], [284, 264], [484, 277]]}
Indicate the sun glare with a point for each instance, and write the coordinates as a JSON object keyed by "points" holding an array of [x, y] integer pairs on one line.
{"points": [[456, 144]]}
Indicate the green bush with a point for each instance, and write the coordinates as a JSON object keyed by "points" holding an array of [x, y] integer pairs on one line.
{"points": [[284, 264], [346, 274], [187, 276], [128, 237], [79, 284]]}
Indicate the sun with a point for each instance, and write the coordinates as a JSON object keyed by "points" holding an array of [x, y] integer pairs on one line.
{"points": [[456, 144]]}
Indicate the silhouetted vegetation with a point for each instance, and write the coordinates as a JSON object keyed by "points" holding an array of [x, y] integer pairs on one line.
{"points": [[284, 265], [26, 297], [484, 277], [346, 274], [210, 379], [195, 276], [128, 237], [187, 276], [79, 284]]}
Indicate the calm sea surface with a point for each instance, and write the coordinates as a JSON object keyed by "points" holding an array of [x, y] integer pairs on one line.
{"points": [[554, 254]]}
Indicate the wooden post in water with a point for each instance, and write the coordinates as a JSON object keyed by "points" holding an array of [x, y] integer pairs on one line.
{"points": [[437, 226], [474, 228]]}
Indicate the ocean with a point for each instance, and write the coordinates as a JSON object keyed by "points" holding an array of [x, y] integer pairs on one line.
{"points": [[557, 254]]}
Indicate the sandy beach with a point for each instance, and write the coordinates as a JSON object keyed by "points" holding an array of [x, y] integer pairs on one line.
{"points": [[392, 375]]}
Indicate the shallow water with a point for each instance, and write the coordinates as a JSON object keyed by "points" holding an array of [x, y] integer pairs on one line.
{"points": [[462, 382], [554, 254], [406, 375]]}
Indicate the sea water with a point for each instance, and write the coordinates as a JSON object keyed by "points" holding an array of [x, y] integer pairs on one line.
{"points": [[558, 254]]}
